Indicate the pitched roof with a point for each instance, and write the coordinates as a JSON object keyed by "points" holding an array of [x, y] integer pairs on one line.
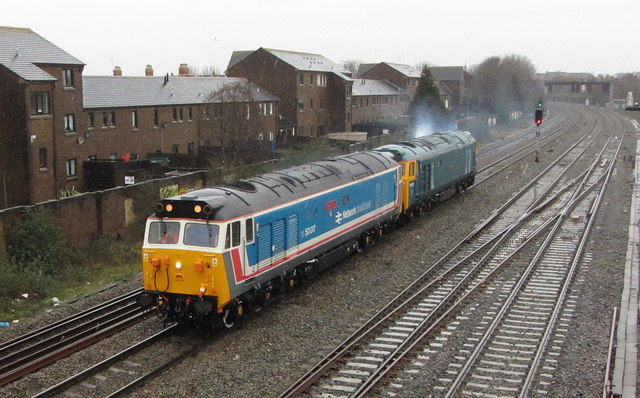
{"points": [[21, 50], [138, 91], [375, 87], [406, 70], [300, 61], [238, 56], [447, 73], [363, 68]]}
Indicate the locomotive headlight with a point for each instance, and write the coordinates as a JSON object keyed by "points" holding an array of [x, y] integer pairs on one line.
{"points": [[197, 209], [178, 265]]}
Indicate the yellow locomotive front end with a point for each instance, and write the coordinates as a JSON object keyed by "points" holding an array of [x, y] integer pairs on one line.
{"points": [[183, 271]]}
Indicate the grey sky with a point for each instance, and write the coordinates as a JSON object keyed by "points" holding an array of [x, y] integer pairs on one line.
{"points": [[566, 35]]}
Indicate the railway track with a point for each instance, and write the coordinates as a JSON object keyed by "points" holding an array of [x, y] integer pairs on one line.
{"points": [[32, 351], [117, 375], [432, 307]]}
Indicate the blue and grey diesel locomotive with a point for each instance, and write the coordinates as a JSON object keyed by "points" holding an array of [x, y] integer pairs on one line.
{"points": [[215, 254]]}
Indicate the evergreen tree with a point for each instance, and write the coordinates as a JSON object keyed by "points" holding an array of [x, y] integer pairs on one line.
{"points": [[427, 111]]}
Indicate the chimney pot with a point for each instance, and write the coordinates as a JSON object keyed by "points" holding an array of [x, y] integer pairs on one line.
{"points": [[148, 71], [183, 70], [117, 71]]}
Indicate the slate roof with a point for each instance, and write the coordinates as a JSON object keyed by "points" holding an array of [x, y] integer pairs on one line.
{"points": [[238, 56], [300, 61], [406, 70], [363, 68], [21, 50], [375, 87], [447, 73], [140, 91]]}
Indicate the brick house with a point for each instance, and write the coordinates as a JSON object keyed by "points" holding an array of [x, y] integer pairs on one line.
{"points": [[403, 76], [453, 78], [377, 100], [169, 114], [53, 119], [40, 107], [314, 92]]}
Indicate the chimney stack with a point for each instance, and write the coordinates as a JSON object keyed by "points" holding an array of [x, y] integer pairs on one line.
{"points": [[117, 71], [183, 70], [148, 71]]}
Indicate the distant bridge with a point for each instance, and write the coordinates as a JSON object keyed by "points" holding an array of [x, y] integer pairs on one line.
{"points": [[577, 86]]}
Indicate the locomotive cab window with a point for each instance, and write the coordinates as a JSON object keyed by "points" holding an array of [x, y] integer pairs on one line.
{"points": [[233, 235], [201, 234], [161, 232], [249, 230]]}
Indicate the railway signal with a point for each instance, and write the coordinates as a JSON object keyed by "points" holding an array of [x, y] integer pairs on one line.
{"points": [[538, 117]]}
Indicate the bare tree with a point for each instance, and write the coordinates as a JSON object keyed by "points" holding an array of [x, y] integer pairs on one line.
{"points": [[504, 85], [235, 112], [352, 66], [208, 70], [423, 64]]}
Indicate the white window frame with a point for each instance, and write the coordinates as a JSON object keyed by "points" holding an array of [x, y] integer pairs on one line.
{"points": [[71, 165], [70, 123]]}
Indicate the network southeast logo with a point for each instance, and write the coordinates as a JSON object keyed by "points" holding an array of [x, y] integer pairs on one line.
{"points": [[343, 215]]}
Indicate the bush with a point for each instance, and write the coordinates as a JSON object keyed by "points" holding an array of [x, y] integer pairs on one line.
{"points": [[36, 244], [109, 251]]}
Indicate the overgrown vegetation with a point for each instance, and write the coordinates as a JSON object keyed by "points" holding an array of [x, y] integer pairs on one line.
{"points": [[40, 264]]}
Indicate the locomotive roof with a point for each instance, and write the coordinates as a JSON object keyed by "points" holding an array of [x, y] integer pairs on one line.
{"points": [[430, 144], [271, 189]]}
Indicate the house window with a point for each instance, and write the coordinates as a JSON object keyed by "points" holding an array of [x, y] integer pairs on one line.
{"points": [[40, 103], [70, 123], [134, 119], [322, 80], [301, 79], [104, 119], [270, 108], [175, 148], [67, 77], [180, 114], [321, 103], [155, 118], [42, 156], [190, 113], [311, 104], [175, 114], [112, 121], [90, 120], [311, 79], [300, 105], [191, 148], [71, 168]]}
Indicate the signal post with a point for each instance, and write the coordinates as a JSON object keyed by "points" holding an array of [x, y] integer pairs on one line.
{"points": [[538, 121]]}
